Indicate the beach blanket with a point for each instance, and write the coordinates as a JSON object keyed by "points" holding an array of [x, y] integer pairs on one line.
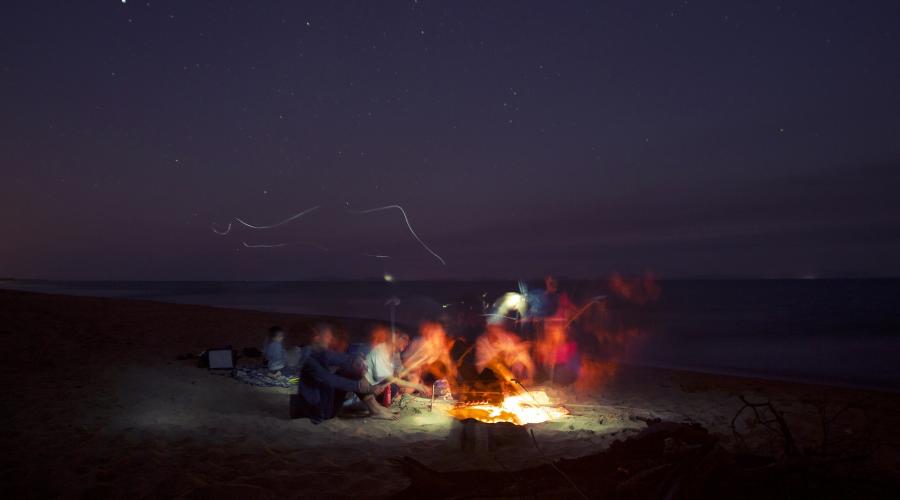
{"points": [[259, 377]]}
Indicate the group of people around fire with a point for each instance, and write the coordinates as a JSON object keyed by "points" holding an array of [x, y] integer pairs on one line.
{"points": [[392, 364]]}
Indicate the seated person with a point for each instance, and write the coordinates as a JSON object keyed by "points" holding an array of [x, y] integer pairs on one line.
{"points": [[383, 364], [429, 356], [504, 353], [327, 376], [274, 353]]}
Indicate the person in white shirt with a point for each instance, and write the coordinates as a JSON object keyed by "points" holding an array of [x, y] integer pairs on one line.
{"points": [[383, 363]]}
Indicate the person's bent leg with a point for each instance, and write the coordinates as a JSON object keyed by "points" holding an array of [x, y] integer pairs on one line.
{"points": [[332, 388], [323, 376], [376, 409]]}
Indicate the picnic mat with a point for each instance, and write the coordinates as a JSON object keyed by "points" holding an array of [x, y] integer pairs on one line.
{"points": [[259, 376]]}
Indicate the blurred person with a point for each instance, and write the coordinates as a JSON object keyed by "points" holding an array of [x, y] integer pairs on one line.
{"points": [[384, 364], [328, 376], [274, 354], [504, 353], [555, 305], [428, 356]]}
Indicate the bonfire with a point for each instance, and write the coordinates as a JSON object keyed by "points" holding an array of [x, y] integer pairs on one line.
{"points": [[512, 403], [520, 409]]}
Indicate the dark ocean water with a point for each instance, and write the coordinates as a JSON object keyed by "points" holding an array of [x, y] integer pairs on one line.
{"points": [[831, 331]]}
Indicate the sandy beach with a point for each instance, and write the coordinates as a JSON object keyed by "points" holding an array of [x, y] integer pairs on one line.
{"points": [[96, 405]]}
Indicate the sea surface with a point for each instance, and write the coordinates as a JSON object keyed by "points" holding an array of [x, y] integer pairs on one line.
{"points": [[841, 332]]}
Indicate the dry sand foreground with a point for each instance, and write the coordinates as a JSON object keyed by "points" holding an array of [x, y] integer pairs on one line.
{"points": [[95, 405]]}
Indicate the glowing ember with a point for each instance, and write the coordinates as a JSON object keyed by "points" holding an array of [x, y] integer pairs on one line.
{"points": [[532, 408]]}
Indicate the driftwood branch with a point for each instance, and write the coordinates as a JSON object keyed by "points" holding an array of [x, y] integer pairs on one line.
{"points": [[769, 417]]}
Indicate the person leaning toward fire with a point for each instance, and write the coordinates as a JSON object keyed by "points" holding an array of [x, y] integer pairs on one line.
{"points": [[428, 357], [384, 365], [505, 354]]}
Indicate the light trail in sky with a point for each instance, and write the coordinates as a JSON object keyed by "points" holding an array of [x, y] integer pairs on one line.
{"points": [[273, 245], [312, 209], [408, 225], [270, 226], [277, 245], [285, 221]]}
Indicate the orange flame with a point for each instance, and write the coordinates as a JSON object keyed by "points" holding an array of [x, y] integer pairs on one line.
{"points": [[504, 353], [531, 408], [558, 350], [430, 353]]}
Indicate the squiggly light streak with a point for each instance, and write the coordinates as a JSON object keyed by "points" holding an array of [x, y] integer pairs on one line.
{"points": [[285, 221], [251, 226], [408, 225], [274, 245], [222, 233]]}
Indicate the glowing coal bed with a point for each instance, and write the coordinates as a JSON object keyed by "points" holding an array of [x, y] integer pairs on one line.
{"points": [[529, 408]]}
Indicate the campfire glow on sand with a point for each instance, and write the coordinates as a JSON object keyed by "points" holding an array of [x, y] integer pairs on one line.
{"points": [[532, 408], [503, 360]]}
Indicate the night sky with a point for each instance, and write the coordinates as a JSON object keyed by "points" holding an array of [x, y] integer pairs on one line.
{"points": [[700, 138]]}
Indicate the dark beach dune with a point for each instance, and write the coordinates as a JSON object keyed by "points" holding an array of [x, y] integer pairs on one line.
{"points": [[96, 405]]}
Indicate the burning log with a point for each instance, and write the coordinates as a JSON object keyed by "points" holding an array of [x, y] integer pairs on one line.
{"points": [[531, 408], [489, 416]]}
